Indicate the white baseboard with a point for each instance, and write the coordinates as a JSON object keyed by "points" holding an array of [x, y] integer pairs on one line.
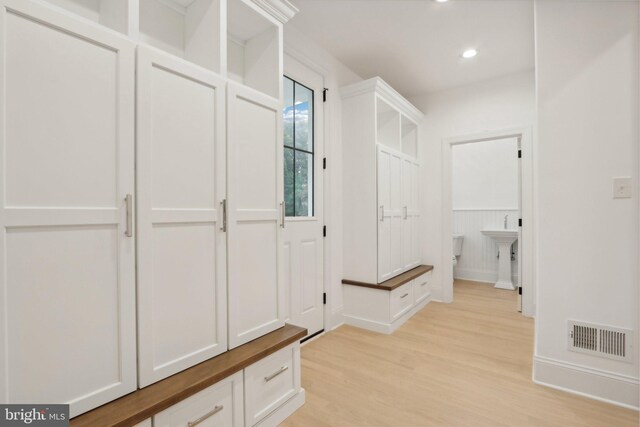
{"points": [[275, 418], [337, 318], [385, 328], [479, 275], [620, 390], [436, 293]]}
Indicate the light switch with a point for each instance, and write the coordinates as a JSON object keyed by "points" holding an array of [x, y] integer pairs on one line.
{"points": [[622, 187]]}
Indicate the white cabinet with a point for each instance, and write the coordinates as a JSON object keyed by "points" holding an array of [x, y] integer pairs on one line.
{"points": [[256, 214], [182, 318], [220, 405], [382, 187], [384, 309], [67, 272]]}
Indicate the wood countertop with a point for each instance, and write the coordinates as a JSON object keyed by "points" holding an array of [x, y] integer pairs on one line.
{"points": [[144, 403], [394, 282]]}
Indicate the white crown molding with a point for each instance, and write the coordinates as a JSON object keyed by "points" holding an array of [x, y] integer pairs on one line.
{"points": [[282, 10], [390, 95]]}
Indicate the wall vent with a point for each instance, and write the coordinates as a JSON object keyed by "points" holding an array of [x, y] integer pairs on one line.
{"points": [[600, 340]]}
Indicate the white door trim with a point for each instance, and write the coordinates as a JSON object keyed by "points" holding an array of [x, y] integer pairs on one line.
{"points": [[326, 177], [527, 248]]}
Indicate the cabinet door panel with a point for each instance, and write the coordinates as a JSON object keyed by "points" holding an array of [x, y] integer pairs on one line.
{"points": [[389, 214], [67, 274], [255, 214], [411, 214], [181, 248]]}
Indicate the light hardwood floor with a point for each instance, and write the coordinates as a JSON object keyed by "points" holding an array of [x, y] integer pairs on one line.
{"points": [[461, 364]]}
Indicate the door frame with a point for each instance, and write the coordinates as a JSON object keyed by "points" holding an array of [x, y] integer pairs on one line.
{"points": [[527, 245], [304, 60]]}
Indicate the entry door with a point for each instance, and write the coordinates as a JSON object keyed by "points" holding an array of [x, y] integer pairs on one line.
{"points": [[303, 245], [67, 272], [181, 236]]}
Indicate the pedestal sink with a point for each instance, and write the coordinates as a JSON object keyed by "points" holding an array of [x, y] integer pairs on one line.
{"points": [[504, 239]]}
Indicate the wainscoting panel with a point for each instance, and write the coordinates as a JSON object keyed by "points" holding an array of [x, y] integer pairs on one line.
{"points": [[479, 259]]}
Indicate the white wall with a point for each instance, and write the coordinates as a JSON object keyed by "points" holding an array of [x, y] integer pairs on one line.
{"points": [[336, 75], [492, 105], [485, 175], [587, 87]]}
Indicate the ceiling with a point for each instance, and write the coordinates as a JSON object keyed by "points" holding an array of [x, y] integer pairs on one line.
{"points": [[415, 45]]}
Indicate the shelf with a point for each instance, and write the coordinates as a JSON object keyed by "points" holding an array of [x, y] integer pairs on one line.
{"points": [[186, 28], [253, 48], [144, 403], [395, 282], [114, 14], [409, 137], [387, 124]]}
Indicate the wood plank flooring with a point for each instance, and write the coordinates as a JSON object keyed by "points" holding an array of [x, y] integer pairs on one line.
{"points": [[461, 364]]}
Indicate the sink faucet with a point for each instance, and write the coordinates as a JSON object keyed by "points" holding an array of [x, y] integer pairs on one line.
{"points": [[505, 221]]}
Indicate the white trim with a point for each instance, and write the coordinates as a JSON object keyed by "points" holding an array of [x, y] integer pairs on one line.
{"points": [[484, 209], [525, 134], [282, 10], [609, 387], [389, 94], [386, 328]]}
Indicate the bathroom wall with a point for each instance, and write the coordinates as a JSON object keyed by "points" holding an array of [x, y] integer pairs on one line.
{"points": [[484, 190], [588, 241], [494, 104]]}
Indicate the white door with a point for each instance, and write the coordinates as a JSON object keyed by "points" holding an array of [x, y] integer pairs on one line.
{"points": [[303, 241], [67, 273], [255, 214], [389, 213], [182, 317], [410, 213]]}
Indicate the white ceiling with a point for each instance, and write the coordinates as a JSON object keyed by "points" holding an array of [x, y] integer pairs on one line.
{"points": [[415, 45]]}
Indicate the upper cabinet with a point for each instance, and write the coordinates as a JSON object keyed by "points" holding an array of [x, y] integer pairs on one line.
{"points": [[382, 182], [118, 15]]}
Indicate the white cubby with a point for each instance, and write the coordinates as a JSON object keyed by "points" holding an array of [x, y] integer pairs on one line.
{"points": [[114, 14], [387, 124], [186, 28], [409, 137], [253, 48]]}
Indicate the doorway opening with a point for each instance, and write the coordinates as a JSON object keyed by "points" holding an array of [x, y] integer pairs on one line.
{"points": [[488, 213]]}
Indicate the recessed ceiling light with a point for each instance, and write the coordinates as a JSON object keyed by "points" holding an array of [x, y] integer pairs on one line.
{"points": [[469, 53], [442, 1]]}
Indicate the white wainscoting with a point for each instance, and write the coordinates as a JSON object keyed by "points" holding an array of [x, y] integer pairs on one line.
{"points": [[479, 261]]}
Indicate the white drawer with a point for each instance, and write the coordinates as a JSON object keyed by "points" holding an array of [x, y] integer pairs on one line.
{"points": [[220, 405], [422, 287], [270, 382], [145, 423], [401, 300]]}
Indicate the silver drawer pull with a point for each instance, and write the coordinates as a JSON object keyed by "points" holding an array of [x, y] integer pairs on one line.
{"points": [[404, 296], [423, 283], [205, 416], [275, 374]]}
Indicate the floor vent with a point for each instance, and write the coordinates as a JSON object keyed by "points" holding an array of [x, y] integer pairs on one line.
{"points": [[599, 340]]}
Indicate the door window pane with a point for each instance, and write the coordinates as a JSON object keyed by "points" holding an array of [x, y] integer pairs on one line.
{"points": [[288, 114], [304, 112], [298, 148]]}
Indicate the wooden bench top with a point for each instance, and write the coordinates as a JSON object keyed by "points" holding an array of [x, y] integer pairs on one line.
{"points": [[144, 403], [394, 282]]}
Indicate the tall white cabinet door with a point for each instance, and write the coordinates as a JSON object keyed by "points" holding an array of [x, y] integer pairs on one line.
{"points": [[67, 273], [390, 262], [256, 214], [410, 214], [181, 236]]}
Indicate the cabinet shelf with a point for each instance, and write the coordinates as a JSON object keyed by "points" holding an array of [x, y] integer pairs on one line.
{"points": [[114, 14], [387, 124], [253, 52], [409, 137], [189, 29]]}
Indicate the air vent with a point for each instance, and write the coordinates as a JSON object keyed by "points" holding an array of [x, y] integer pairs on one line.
{"points": [[599, 340]]}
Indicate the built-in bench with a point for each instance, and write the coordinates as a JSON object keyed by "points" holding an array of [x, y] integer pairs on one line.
{"points": [[145, 403], [383, 307]]}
